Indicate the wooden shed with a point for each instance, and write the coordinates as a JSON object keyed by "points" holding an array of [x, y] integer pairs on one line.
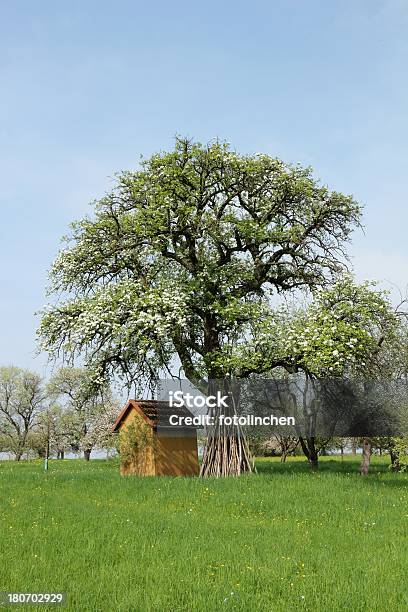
{"points": [[150, 446]]}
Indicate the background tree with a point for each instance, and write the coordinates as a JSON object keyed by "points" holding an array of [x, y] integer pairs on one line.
{"points": [[53, 431], [339, 335], [83, 406], [22, 398], [390, 369], [286, 444], [99, 434], [181, 260], [340, 444]]}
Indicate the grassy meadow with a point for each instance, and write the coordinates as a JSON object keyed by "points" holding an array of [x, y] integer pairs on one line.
{"points": [[282, 539]]}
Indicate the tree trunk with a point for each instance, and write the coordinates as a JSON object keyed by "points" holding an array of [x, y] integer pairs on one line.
{"points": [[283, 457], [395, 466], [87, 454], [354, 446], [310, 452], [365, 463]]}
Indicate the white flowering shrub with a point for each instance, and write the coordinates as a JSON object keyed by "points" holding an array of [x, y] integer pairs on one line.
{"points": [[400, 453]]}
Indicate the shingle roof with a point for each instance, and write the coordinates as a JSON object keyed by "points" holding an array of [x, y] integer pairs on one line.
{"points": [[155, 412]]}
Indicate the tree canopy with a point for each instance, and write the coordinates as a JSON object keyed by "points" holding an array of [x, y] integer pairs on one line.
{"points": [[183, 257]]}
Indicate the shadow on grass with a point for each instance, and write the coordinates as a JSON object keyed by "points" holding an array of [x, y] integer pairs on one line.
{"points": [[379, 475], [302, 466], [326, 465]]}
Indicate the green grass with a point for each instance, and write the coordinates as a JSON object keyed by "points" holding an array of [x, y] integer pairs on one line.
{"points": [[283, 539]]}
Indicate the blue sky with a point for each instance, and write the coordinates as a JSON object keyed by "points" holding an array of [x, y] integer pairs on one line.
{"points": [[87, 87]]}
